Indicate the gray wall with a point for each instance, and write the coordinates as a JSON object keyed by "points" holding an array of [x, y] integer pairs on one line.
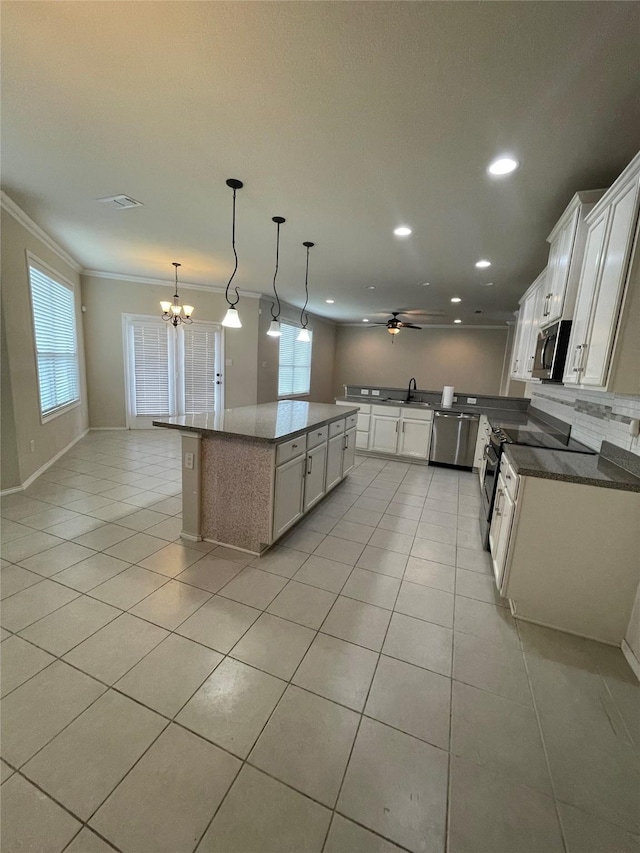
{"points": [[21, 422], [322, 355], [107, 299], [470, 359]]}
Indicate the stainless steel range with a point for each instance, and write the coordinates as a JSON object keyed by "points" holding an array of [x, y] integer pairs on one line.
{"points": [[533, 433]]}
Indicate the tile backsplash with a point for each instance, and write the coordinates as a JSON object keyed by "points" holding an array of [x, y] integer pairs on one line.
{"points": [[594, 416]]}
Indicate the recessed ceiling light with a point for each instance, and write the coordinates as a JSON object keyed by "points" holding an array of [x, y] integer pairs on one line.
{"points": [[370, 287], [329, 301], [487, 283], [483, 264], [402, 231], [457, 321], [456, 299], [365, 320], [425, 284], [503, 166]]}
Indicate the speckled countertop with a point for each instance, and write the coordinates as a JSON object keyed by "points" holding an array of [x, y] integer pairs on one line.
{"points": [[497, 416], [590, 470], [271, 422]]}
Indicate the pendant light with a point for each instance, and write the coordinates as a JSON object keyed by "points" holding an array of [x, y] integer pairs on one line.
{"points": [[232, 318], [173, 312], [303, 334], [274, 326]]}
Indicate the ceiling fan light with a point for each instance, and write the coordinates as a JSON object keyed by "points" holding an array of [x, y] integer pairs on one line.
{"points": [[274, 329], [393, 330], [304, 336], [232, 319]]}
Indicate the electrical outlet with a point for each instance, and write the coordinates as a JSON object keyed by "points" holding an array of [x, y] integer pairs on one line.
{"points": [[228, 362], [375, 393], [364, 391], [472, 400], [264, 363], [33, 445], [455, 399], [188, 461]]}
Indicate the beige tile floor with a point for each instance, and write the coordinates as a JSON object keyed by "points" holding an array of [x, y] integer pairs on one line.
{"points": [[360, 689]]}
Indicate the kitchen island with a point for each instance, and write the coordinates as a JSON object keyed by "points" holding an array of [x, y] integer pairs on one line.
{"points": [[249, 474]]}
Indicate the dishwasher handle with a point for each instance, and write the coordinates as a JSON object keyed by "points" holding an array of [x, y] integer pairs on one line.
{"points": [[460, 416]]}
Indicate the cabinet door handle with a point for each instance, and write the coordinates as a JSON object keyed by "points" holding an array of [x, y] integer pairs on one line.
{"points": [[496, 508], [403, 425], [309, 469], [346, 444], [396, 426], [294, 446]]}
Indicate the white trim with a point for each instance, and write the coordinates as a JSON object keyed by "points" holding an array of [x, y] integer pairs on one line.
{"points": [[632, 660], [20, 216], [513, 607], [98, 429], [43, 468], [138, 279]]}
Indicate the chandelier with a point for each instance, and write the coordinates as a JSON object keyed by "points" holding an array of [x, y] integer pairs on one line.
{"points": [[173, 312]]}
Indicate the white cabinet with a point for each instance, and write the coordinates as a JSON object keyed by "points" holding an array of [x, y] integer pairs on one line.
{"points": [[288, 494], [484, 433], [349, 453], [315, 475], [383, 434], [414, 438], [335, 453], [500, 531], [363, 422], [529, 318], [605, 281]]}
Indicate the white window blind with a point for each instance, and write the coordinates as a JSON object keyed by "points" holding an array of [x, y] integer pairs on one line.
{"points": [[54, 322], [294, 372], [151, 379], [199, 369]]}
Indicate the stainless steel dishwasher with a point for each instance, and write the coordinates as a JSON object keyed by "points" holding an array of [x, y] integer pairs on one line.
{"points": [[453, 440]]}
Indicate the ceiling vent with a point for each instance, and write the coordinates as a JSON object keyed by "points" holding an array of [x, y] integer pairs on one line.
{"points": [[119, 202]]}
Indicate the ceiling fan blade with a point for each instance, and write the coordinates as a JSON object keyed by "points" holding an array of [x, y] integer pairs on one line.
{"points": [[410, 326]]}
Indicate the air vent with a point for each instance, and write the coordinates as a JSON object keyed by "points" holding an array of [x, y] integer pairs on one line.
{"points": [[119, 202]]}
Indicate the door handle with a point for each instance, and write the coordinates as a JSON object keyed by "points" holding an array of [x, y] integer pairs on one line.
{"points": [[346, 444], [310, 468]]}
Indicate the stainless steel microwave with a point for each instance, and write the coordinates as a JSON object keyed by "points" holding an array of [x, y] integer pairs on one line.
{"points": [[551, 352]]}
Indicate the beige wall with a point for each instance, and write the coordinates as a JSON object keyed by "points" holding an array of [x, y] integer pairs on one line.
{"points": [[322, 355], [107, 299], [633, 631], [469, 359], [20, 394]]}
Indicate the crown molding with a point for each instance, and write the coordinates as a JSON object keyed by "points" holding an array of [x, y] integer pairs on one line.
{"points": [[162, 282], [18, 214]]}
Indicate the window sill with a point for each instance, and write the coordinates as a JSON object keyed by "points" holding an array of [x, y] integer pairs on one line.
{"points": [[51, 416]]}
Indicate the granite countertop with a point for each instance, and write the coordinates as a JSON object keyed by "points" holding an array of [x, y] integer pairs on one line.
{"points": [[590, 470], [270, 422], [497, 416]]}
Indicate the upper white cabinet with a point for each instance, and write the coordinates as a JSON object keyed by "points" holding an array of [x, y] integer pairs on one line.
{"points": [[566, 250], [527, 329], [603, 348]]}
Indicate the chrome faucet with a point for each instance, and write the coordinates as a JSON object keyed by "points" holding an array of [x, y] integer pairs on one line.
{"points": [[409, 396]]}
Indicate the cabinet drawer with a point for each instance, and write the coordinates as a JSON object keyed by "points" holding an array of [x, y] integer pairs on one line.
{"points": [[510, 478], [352, 421], [290, 449], [317, 436], [386, 411], [336, 427], [411, 414]]}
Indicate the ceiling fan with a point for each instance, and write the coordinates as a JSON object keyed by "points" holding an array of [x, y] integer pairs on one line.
{"points": [[394, 325]]}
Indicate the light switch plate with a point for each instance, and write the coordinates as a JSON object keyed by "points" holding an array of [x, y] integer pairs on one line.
{"points": [[375, 393], [472, 400], [188, 461], [364, 390]]}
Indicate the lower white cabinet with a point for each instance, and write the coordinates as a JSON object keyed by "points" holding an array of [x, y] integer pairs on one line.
{"points": [[414, 438], [383, 434], [335, 453], [314, 487], [288, 501], [349, 457], [500, 531]]}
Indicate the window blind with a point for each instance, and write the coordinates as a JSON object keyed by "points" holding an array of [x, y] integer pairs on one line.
{"points": [[199, 369], [151, 368], [294, 371], [54, 321]]}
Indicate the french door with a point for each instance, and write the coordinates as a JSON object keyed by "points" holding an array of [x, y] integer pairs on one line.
{"points": [[170, 371]]}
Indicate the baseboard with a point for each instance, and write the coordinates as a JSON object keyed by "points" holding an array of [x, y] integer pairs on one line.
{"points": [[513, 606], [632, 660], [98, 429], [42, 468]]}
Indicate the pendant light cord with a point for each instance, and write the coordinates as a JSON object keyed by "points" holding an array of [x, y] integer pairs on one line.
{"points": [[278, 220], [304, 318], [233, 246]]}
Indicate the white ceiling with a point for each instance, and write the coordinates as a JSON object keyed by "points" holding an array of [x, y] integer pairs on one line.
{"points": [[347, 118]]}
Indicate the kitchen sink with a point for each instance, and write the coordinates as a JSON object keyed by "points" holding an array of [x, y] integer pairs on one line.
{"points": [[416, 404]]}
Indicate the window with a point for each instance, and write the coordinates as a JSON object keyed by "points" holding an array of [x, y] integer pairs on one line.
{"points": [[170, 371], [54, 324], [294, 372]]}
